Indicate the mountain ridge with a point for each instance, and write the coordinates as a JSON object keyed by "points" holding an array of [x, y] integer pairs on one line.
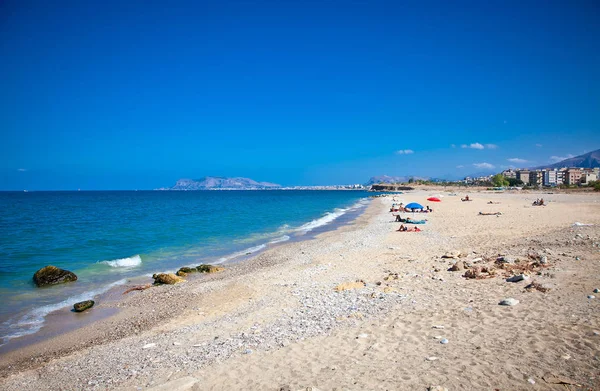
{"points": [[587, 160], [221, 183]]}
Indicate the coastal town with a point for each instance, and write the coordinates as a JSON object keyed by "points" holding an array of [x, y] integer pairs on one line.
{"points": [[572, 176]]}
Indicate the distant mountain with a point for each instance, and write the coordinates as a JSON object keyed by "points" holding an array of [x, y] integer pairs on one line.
{"points": [[588, 160], [391, 179], [215, 183]]}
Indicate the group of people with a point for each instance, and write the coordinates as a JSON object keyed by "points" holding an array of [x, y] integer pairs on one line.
{"points": [[400, 208], [539, 202]]}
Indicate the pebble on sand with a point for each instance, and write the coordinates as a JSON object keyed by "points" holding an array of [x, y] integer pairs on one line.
{"points": [[591, 297], [148, 346], [596, 290], [444, 341], [509, 301]]}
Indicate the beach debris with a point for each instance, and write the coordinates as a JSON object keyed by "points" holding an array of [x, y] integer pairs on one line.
{"points": [[596, 332], [457, 267], [596, 290], [506, 259], [554, 379], [83, 305], [391, 276], [578, 224], [509, 302], [591, 297], [176, 343], [544, 260], [439, 327], [167, 278], [578, 258], [209, 268], [149, 346], [480, 272], [537, 286], [248, 351], [52, 275], [432, 358], [452, 254], [362, 335], [438, 337], [138, 288], [517, 278], [345, 286], [444, 341], [530, 381]]}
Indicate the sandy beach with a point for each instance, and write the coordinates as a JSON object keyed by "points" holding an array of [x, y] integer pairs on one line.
{"points": [[283, 320]]}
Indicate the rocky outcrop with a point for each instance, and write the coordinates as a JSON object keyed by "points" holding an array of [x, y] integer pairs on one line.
{"points": [[184, 271], [167, 278], [83, 305], [209, 269], [52, 275]]}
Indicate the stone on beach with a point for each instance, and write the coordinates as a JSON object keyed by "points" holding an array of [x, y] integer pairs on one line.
{"points": [[458, 266], [517, 278], [167, 278], [209, 269], [509, 302], [452, 254], [344, 286], [51, 275], [596, 290], [184, 271], [83, 305]]}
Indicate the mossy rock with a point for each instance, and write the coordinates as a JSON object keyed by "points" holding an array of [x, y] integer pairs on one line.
{"points": [[186, 270], [83, 305], [52, 275], [167, 278], [209, 269]]}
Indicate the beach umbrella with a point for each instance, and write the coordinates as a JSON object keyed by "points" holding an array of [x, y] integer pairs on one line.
{"points": [[414, 205], [434, 199]]}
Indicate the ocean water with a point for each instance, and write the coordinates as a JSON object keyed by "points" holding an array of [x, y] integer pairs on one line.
{"points": [[107, 237]]}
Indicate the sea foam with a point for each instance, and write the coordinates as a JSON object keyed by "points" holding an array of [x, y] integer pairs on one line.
{"points": [[33, 321], [331, 216], [134, 261]]}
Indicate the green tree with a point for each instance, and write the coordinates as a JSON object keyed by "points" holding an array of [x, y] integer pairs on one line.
{"points": [[514, 182], [500, 180]]}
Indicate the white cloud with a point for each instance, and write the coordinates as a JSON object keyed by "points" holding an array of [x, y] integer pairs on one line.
{"points": [[517, 160], [21, 169], [491, 146], [538, 145], [405, 152], [460, 166], [487, 166], [476, 146], [556, 159]]}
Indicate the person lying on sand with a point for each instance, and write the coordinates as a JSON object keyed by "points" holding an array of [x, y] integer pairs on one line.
{"points": [[490, 214], [400, 219], [492, 202], [406, 229]]}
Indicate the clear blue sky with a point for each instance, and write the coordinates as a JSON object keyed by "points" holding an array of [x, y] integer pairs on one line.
{"points": [[124, 95]]}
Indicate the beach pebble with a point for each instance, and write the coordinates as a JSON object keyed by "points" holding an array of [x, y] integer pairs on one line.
{"points": [[509, 301], [248, 351], [596, 290], [438, 337], [437, 327], [595, 332], [531, 381], [444, 341], [452, 254], [362, 335], [149, 346], [176, 344], [591, 297], [517, 278], [432, 358], [544, 260]]}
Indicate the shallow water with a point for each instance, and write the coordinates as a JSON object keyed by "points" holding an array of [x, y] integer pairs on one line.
{"points": [[107, 237]]}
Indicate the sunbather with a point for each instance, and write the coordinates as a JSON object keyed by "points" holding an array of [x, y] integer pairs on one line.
{"points": [[406, 229], [490, 214]]}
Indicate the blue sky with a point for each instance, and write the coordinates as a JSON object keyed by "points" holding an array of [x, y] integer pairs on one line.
{"points": [[124, 95]]}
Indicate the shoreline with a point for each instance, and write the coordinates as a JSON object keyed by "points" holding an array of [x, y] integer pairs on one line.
{"points": [[276, 319], [55, 325]]}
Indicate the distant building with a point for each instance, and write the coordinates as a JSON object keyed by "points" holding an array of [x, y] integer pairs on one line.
{"points": [[523, 176], [510, 174], [573, 176], [551, 178], [588, 176], [536, 178]]}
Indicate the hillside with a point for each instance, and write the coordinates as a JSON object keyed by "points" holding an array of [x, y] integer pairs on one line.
{"points": [[588, 160], [221, 183]]}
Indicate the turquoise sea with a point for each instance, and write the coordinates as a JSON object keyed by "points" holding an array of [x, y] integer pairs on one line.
{"points": [[107, 237]]}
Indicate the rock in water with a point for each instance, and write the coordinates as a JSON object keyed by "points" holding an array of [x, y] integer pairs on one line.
{"points": [[510, 302], [209, 269], [167, 278], [83, 305], [51, 275]]}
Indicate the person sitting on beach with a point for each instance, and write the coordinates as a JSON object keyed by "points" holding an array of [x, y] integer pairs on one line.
{"points": [[429, 210], [467, 198]]}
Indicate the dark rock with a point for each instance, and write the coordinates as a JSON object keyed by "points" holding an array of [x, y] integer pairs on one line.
{"points": [[457, 267], [187, 270], [83, 305], [209, 269], [51, 275]]}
